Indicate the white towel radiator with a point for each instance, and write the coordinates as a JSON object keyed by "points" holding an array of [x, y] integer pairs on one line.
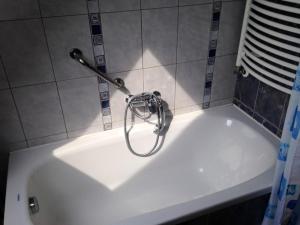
{"points": [[270, 42]]}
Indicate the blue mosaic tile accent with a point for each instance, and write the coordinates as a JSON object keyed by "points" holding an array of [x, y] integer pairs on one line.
{"points": [[97, 39], [96, 29], [102, 68], [99, 58], [105, 104], [213, 41], [212, 53], [208, 84]]}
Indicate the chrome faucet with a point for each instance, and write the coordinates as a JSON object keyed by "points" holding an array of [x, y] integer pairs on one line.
{"points": [[150, 102]]}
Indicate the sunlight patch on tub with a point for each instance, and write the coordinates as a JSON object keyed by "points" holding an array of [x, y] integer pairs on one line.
{"points": [[109, 146], [104, 156], [107, 162], [111, 168], [93, 154]]}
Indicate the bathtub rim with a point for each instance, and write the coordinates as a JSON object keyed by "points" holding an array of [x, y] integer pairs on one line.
{"points": [[256, 186]]}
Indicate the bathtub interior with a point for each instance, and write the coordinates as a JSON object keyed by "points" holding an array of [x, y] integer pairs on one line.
{"points": [[99, 181]]}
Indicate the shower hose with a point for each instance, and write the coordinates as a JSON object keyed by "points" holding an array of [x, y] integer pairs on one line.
{"points": [[152, 104]]}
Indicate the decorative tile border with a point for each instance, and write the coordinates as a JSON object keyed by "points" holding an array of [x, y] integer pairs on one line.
{"points": [[99, 57], [213, 41]]}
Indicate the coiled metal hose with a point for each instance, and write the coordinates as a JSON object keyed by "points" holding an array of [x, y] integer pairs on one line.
{"points": [[152, 104]]}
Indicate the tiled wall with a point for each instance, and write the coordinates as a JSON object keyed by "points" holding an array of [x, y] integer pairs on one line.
{"points": [[263, 103], [153, 45], [163, 45]]}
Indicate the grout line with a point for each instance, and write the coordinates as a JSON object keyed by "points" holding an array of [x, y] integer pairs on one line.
{"points": [[237, 89], [49, 82], [66, 15], [82, 14], [260, 124], [199, 104], [176, 67], [77, 78], [255, 112], [19, 19], [223, 99], [61, 107], [5, 74], [42, 17], [51, 135], [247, 107], [207, 3], [99, 6], [157, 8], [52, 67], [285, 105], [264, 119], [36, 84], [14, 102], [19, 117], [195, 4], [90, 76], [141, 9], [256, 96], [192, 60], [142, 43], [227, 54], [120, 11], [171, 64]]}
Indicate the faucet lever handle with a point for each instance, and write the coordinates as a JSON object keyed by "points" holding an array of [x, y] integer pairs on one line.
{"points": [[157, 94]]}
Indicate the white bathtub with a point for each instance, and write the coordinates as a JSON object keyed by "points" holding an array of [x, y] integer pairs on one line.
{"points": [[209, 158]]}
